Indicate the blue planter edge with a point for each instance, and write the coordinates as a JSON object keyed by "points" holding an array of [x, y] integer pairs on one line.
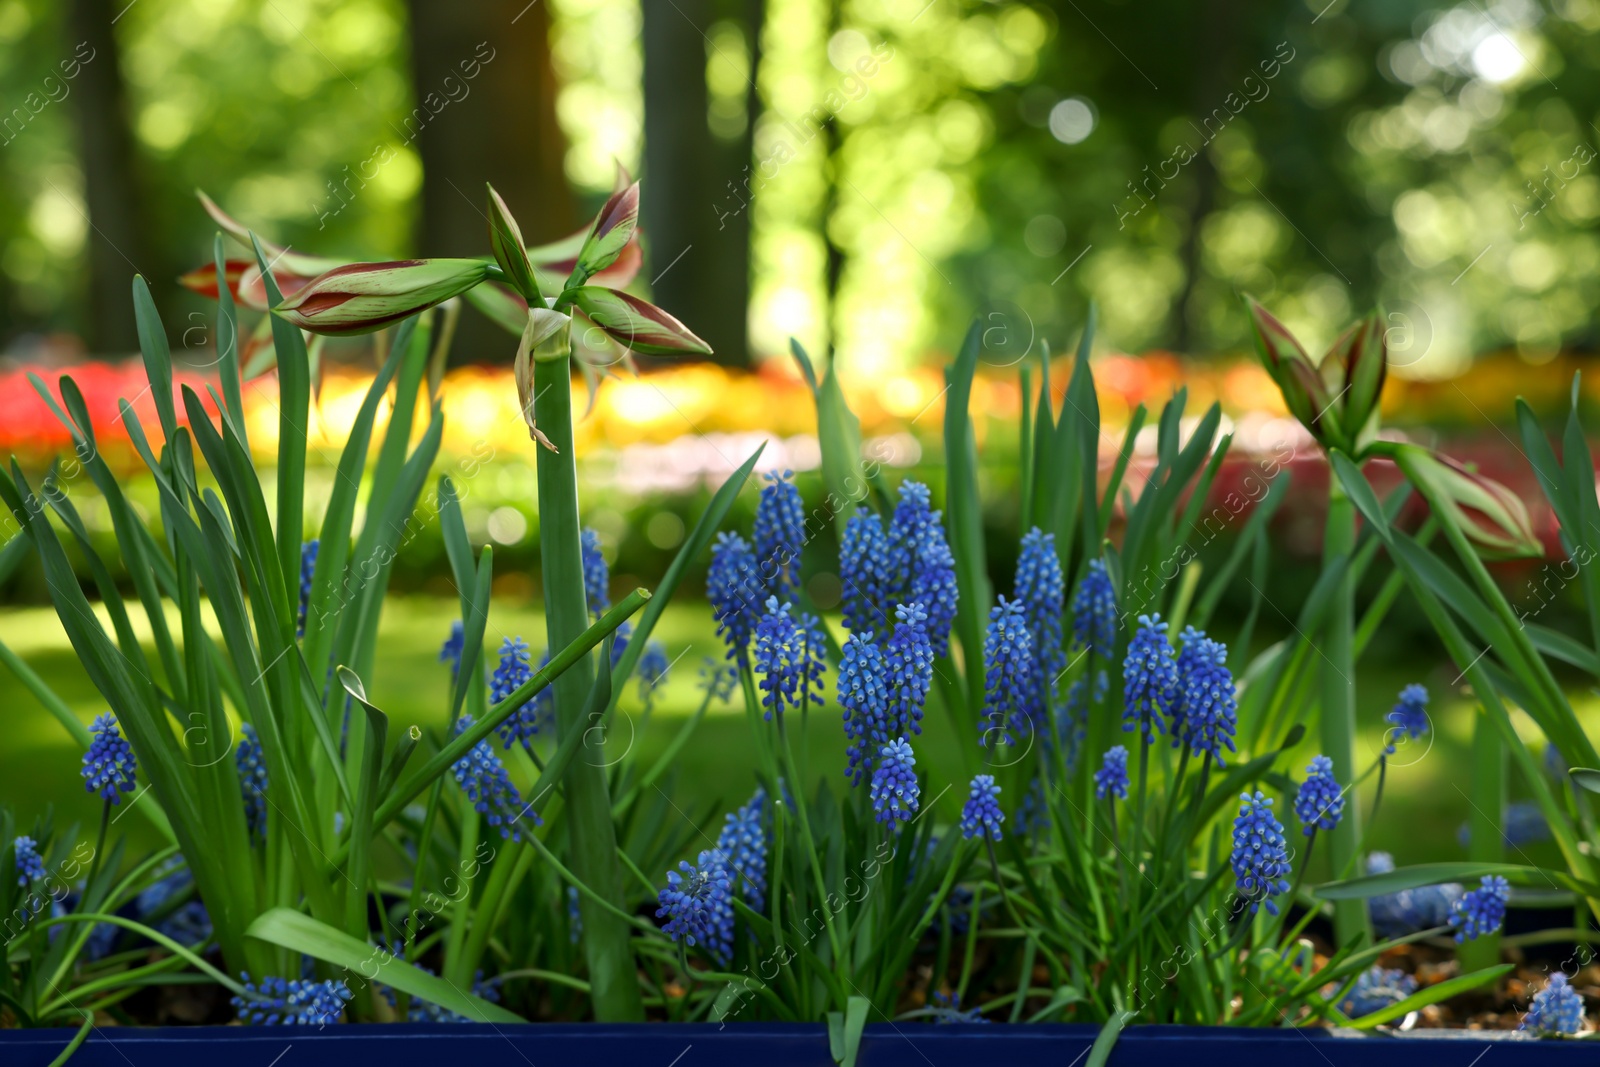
{"points": [[771, 1045]]}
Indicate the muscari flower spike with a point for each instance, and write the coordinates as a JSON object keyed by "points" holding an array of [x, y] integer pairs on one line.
{"points": [[717, 679], [1072, 721], [1008, 673], [908, 660], [308, 567], [574, 916], [864, 697], [108, 766], [789, 659], [450, 651], [596, 575], [1033, 813], [30, 866], [921, 565], [946, 1009], [252, 770], [511, 674], [1112, 777], [1410, 715], [1260, 855], [779, 533], [735, 590], [1094, 611], [981, 815], [189, 923], [1409, 910], [652, 671], [1483, 910], [483, 778], [865, 573], [1040, 588], [1319, 803], [744, 841], [1207, 706], [1149, 679], [288, 1002], [1376, 989], [895, 792], [697, 904], [1557, 1008]]}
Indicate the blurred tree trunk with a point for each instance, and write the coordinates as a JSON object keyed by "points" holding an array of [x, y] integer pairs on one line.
{"points": [[1216, 66], [485, 111], [117, 246], [696, 197]]}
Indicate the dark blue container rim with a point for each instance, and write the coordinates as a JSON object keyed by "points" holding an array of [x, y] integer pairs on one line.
{"points": [[775, 1045]]}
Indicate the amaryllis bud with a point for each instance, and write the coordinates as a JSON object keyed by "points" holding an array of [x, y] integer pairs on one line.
{"points": [[505, 237], [280, 257], [1490, 514], [546, 335], [252, 291], [613, 230], [1363, 352], [362, 297], [631, 322], [1290, 367]]}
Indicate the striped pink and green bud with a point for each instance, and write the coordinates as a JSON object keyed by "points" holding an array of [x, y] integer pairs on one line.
{"points": [[362, 297], [636, 325], [1491, 515], [613, 231], [505, 238]]}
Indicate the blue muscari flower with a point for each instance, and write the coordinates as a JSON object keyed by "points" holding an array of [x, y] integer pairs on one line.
{"points": [[779, 533], [108, 766], [735, 590], [1008, 673], [1149, 678], [652, 672], [1523, 823], [908, 660], [1375, 990], [1557, 1008], [864, 697], [697, 904], [296, 1001], [1483, 910], [717, 679], [1260, 855], [620, 638], [921, 564], [1319, 803], [483, 778], [981, 815], [895, 791], [189, 923], [512, 673], [450, 651], [1040, 589], [1410, 715], [1033, 814], [252, 769], [864, 573], [30, 867], [1094, 611], [1072, 720], [1409, 910], [788, 658], [425, 1011], [574, 915], [947, 1009], [308, 567], [1207, 706], [934, 586], [596, 575], [1112, 777], [744, 841]]}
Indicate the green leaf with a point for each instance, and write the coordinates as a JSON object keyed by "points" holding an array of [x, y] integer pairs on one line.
{"points": [[301, 933], [1373, 885], [1587, 777], [1107, 1040], [844, 1031], [1431, 995]]}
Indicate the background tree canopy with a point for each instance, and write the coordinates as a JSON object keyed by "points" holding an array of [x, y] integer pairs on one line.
{"points": [[862, 173]]}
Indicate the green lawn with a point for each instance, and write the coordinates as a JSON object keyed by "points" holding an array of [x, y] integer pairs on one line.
{"points": [[1424, 803]]}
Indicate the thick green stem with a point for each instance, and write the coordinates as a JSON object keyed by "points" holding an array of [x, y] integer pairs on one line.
{"points": [[1339, 702], [592, 835], [1486, 840]]}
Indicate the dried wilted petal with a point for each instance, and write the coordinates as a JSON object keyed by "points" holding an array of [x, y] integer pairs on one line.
{"points": [[545, 329]]}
